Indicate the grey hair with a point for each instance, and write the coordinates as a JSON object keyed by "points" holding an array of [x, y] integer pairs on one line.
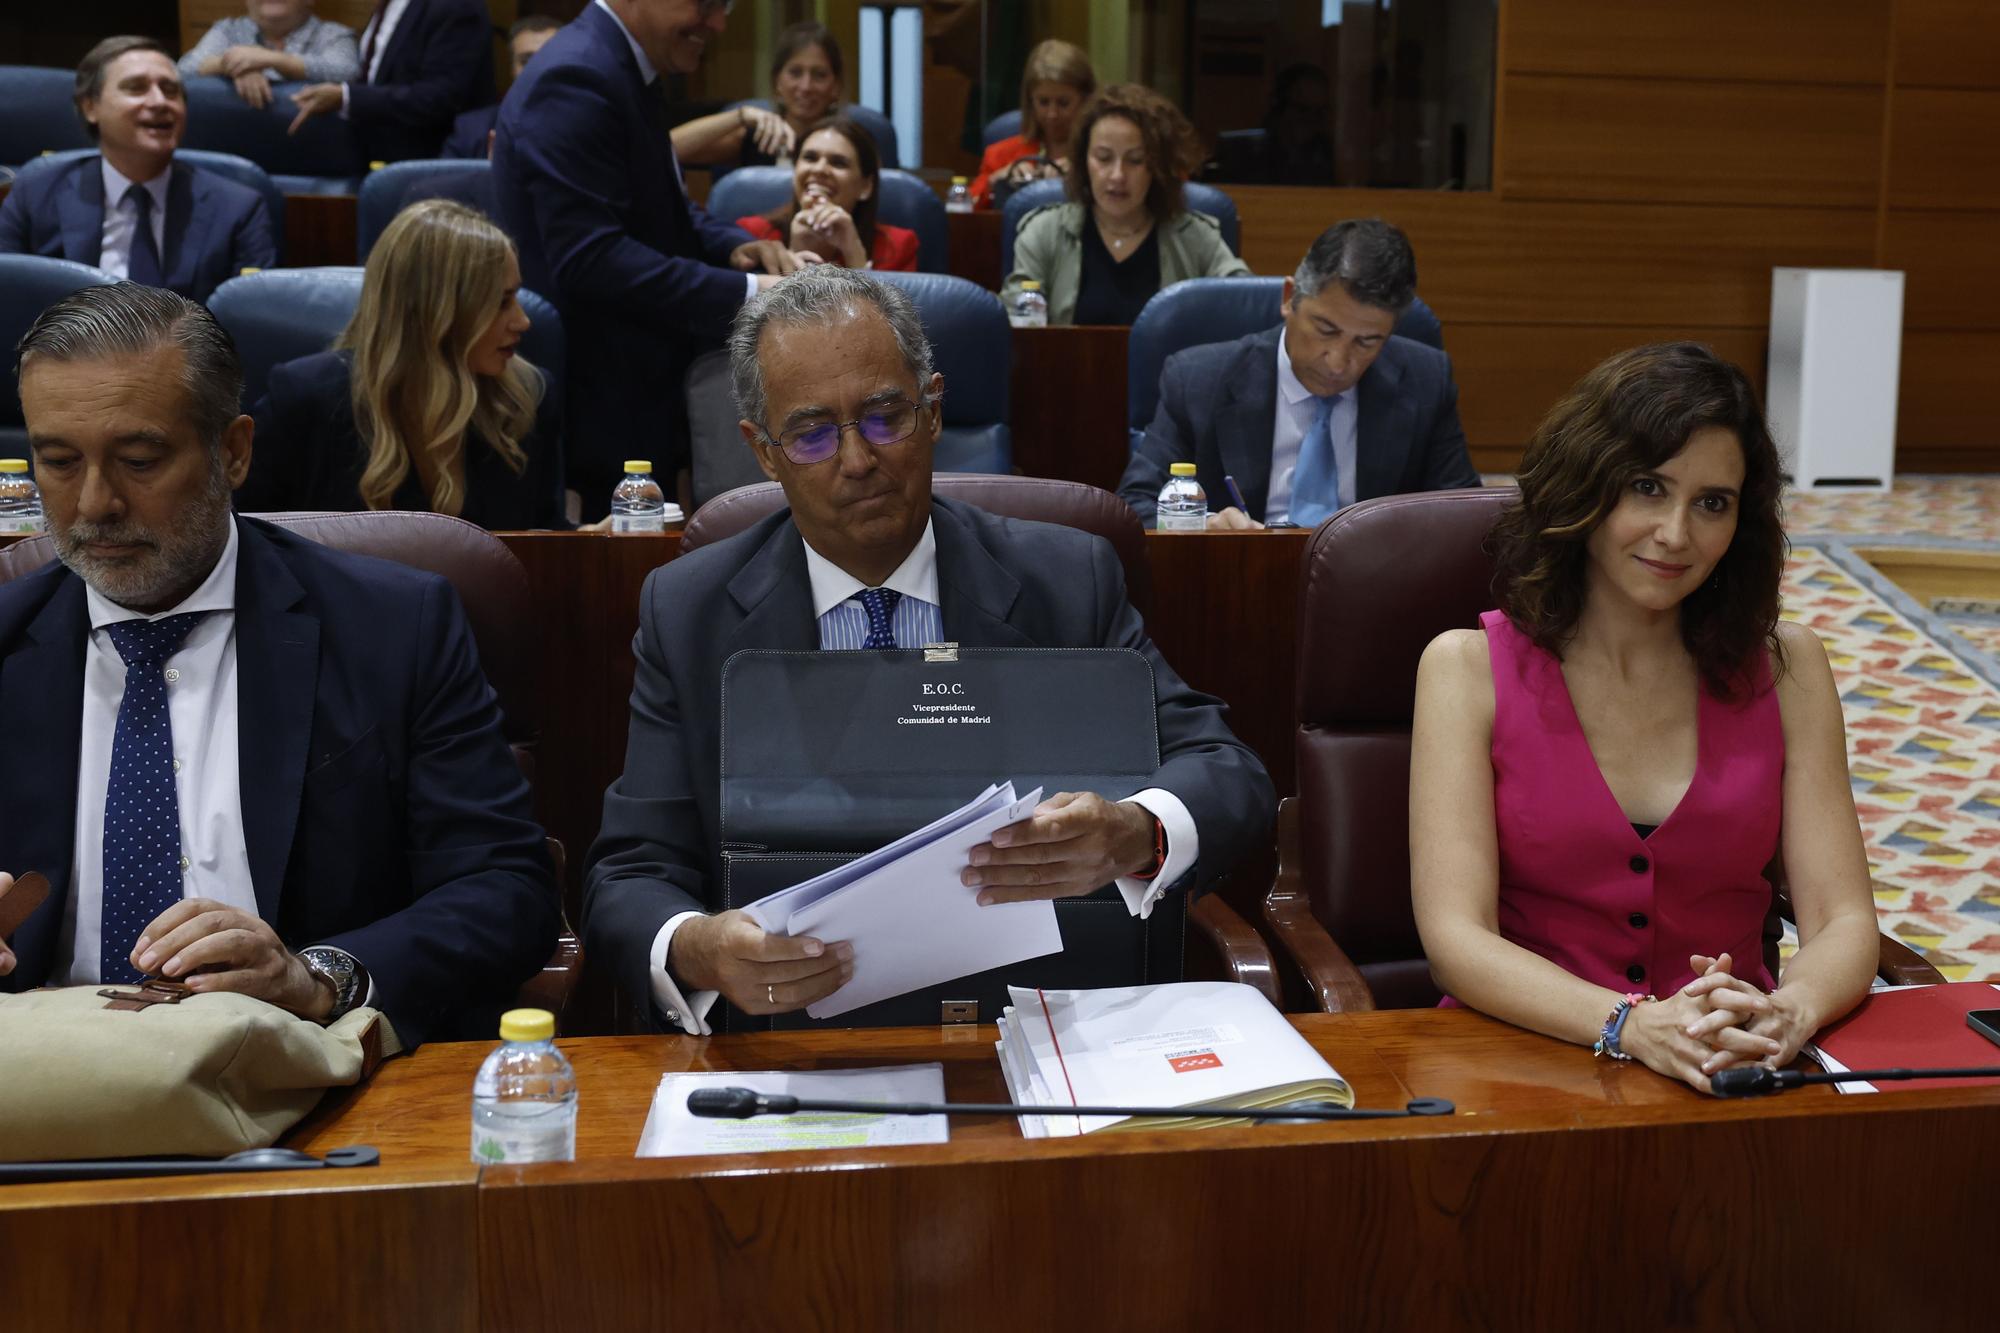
{"points": [[823, 295], [1372, 259], [126, 318]]}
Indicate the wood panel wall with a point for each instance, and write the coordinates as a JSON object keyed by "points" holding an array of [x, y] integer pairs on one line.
{"points": [[1653, 163]]}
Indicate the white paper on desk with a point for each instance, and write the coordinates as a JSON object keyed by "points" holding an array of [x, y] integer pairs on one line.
{"points": [[672, 1131], [911, 922]]}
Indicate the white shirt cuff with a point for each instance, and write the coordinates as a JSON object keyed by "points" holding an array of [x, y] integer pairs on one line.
{"points": [[1183, 848], [685, 1010], [751, 292], [343, 101]]}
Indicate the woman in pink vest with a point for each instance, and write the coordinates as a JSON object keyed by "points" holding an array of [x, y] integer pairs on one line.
{"points": [[1601, 773]]}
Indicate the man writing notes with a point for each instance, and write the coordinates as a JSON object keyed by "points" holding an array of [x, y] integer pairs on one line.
{"points": [[1326, 409], [833, 379], [244, 761], [586, 181]]}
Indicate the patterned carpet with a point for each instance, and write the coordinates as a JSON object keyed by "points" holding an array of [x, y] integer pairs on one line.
{"points": [[1922, 700]]}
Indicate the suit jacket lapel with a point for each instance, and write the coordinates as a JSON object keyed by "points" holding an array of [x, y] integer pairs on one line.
{"points": [[82, 212], [976, 593], [1381, 431], [42, 683], [1245, 421], [775, 593], [277, 677], [183, 221]]}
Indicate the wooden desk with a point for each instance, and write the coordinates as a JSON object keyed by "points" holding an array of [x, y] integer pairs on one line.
{"points": [[394, 1246], [1567, 1193], [1067, 403], [975, 247]]}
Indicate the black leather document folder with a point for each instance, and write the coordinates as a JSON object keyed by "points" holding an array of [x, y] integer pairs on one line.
{"points": [[826, 756]]}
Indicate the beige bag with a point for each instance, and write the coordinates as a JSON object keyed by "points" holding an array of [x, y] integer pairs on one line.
{"points": [[212, 1075]]}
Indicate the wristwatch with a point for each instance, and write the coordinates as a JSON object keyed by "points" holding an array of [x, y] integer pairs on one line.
{"points": [[342, 970]]}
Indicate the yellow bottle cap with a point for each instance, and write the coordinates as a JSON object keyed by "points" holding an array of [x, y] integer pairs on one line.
{"points": [[1181, 469], [1030, 285], [527, 1025], [13, 465], [958, 180], [639, 465], [377, 165]]}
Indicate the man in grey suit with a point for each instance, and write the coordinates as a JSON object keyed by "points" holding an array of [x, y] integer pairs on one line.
{"points": [[1328, 408], [833, 379]]}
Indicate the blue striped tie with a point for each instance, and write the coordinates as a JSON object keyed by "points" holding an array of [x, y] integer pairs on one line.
{"points": [[880, 604], [1316, 480], [142, 810]]}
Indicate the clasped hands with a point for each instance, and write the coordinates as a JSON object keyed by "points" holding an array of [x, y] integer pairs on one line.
{"points": [[1716, 1021], [1073, 843], [209, 946]]}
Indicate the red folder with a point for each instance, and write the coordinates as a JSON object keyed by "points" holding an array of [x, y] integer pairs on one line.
{"points": [[1917, 1028]]}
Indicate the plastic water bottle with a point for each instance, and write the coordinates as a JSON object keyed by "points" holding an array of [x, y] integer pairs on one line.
{"points": [[958, 199], [1031, 308], [1183, 506], [524, 1100], [20, 502], [637, 503]]}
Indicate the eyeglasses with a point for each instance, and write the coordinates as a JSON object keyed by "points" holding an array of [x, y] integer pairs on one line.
{"points": [[708, 9], [890, 424]]}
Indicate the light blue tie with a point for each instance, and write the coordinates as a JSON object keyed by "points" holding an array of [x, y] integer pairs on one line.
{"points": [[142, 823], [880, 604], [1316, 479]]}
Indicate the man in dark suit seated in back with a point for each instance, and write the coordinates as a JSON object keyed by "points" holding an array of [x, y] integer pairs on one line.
{"points": [[472, 133], [833, 378], [131, 209], [243, 760], [587, 184], [422, 62], [1324, 410]]}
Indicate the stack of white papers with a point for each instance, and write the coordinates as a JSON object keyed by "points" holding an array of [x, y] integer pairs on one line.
{"points": [[910, 920], [1209, 1047], [671, 1131]]}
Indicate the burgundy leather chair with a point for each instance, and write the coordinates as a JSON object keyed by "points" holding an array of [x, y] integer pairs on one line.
{"points": [[494, 588], [1382, 579], [1240, 952]]}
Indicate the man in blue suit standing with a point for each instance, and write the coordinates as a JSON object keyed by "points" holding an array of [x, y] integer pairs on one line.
{"points": [[1326, 409], [243, 761], [588, 186], [132, 210], [422, 62]]}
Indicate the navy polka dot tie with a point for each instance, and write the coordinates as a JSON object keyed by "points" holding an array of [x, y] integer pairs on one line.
{"points": [[880, 604], [142, 812]]}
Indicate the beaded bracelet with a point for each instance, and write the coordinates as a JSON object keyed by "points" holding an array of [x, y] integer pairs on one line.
{"points": [[1614, 1027]]}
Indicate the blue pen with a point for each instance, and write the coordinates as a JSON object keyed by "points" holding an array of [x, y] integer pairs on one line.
{"points": [[1234, 494]]}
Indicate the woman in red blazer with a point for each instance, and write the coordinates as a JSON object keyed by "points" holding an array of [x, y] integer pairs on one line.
{"points": [[1055, 83], [832, 212]]}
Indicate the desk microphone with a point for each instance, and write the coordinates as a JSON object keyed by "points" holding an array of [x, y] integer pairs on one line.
{"points": [[743, 1103], [1755, 1080]]}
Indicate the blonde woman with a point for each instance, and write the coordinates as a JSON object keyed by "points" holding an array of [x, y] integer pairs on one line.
{"points": [[423, 403], [1055, 84]]}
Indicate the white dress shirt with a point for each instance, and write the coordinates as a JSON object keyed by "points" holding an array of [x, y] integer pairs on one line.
{"points": [[1296, 408], [391, 16], [201, 708], [647, 74], [121, 222], [916, 578]]}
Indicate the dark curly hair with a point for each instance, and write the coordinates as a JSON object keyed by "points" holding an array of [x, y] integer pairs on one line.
{"points": [[1622, 420], [1172, 150]]}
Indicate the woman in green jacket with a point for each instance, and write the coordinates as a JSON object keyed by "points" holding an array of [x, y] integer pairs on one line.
{"points": [[1127, 232]]}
